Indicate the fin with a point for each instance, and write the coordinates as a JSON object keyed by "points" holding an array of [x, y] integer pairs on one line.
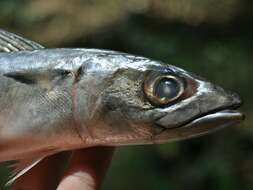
{"points": [[21, 167], [10, 42], [24, 165], [43, 79], [54, 159]]}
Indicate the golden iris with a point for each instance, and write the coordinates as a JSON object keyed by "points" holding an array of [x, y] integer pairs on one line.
{"points": [[162, 90]]}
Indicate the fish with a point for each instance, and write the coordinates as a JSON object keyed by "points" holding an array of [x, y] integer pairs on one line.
{"points": [[63, 99]]}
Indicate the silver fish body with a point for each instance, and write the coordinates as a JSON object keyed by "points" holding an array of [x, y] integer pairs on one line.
{"points": [[54, 100], [48, 97], [60, 99]]}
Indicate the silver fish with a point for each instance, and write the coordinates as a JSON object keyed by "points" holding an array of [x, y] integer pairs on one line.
{"points": [[54, 100]]}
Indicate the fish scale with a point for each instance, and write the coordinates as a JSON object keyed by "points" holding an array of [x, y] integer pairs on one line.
{"points": [[55, 100]]}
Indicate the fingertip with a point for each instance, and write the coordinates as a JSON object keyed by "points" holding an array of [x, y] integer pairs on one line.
{"points": [[87, 168]]}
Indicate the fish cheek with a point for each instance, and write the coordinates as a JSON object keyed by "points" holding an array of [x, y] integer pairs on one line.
{"points": [[114, 126]]}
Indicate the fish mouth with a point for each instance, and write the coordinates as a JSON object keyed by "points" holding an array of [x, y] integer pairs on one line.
{"points": [[217, 118], [201, 124], [227, 114]]}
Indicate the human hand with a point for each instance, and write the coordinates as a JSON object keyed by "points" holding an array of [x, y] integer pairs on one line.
{"points": [[78, 170]]}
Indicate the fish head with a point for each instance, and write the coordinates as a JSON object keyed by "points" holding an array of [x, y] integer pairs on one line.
{"points": [[153, 102]]}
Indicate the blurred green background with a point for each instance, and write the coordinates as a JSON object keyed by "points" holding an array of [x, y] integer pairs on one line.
{"points": [[213, 38]]}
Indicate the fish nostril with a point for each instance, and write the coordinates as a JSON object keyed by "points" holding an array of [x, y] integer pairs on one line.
{"points": [[237, 101], [233, 99]]}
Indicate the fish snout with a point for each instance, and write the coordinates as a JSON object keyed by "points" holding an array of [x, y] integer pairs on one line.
{"points": [[209, 109], [209, 101], [235, 99]]}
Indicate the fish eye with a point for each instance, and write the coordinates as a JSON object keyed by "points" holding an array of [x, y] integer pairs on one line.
{"points": [[162, 90]]}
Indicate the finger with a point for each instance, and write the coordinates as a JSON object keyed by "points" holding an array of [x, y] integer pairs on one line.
{"points": [[45, 175], [87, 169]]}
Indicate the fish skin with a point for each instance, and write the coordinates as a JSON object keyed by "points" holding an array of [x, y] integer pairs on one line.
{"points": [[19, 98], [105, 106], [53, 100], [49, 112]]}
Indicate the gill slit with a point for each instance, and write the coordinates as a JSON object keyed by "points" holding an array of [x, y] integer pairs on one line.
{"points": [[76, 117]]}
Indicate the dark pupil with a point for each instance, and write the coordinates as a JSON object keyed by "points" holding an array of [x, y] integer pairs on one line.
{"points": [[167, 88]]}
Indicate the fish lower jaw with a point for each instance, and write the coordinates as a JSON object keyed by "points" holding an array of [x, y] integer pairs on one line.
{"points": [[200, 126], [224, 116]]}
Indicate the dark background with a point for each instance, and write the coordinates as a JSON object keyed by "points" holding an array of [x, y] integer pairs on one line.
{"points": [[212, 38]]}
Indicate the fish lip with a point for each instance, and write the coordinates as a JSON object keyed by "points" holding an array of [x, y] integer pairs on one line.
{"points": [[226, 114], [224, 111], [201, 125]]}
